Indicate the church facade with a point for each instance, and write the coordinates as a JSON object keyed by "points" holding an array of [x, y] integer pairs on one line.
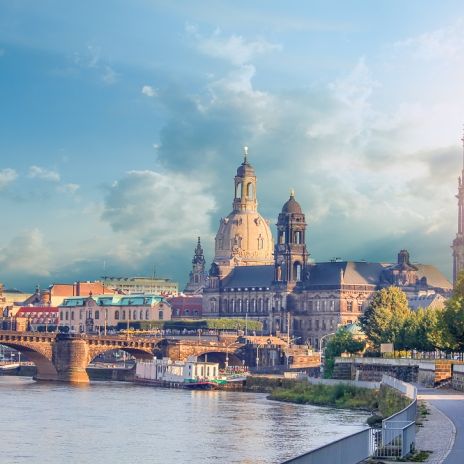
{"points": [[252, 277]]}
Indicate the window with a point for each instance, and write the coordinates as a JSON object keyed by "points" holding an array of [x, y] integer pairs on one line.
{"points": [[260, 305], [67, 316], [349, 306], [310, 305], [123, 313], [250, 191], [310, 324], [298, 237], [239, 306], [260, 242], [332, 305], [72, 315], [212, 304], [281, 237], [317, 324], [233, 306], [238, 190], [360, 306], [160, 315], [116, 315], [61, 315], [97, 314], [147, 314]]}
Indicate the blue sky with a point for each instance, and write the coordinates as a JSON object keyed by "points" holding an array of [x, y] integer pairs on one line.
{"points": [[122, 125]]}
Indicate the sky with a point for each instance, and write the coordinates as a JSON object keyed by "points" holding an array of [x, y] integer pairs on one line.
{"points": [[122, 124]]}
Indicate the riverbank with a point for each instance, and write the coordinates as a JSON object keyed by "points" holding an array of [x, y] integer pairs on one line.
{"points": [[382, 402]]}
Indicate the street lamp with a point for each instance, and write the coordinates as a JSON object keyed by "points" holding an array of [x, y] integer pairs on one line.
{"points": [[322, 338]]}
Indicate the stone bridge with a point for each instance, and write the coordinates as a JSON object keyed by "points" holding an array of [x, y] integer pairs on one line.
{"points": [[65, 357]]}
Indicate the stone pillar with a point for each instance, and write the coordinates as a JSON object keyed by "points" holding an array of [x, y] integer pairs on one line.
{"points": [[71, 357]]}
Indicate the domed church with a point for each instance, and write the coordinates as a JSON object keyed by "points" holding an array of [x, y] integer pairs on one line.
{"points": [[277, 285]]}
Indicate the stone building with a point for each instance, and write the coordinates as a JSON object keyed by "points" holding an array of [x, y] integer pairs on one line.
{"points": [[458, 242], [151, 285], [282, 289], [197, 277], [97, 313]]}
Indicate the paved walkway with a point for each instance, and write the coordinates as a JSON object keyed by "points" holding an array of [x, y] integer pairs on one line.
{"points": [[451, 404]]}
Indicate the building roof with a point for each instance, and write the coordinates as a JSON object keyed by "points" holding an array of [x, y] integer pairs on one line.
{"points": [[433, 300], [116, 300], [249, 277], [346, 272], [434, 277], [36, 309], [291, 206]]}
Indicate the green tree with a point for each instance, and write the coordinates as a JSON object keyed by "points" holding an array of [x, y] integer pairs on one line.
{"points": [[429, 329], [452, 324], [342, 342], [384, 319]]}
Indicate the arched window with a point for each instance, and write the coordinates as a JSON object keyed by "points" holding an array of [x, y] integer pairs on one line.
{"points": [[212, 304], [260, 242], [253, 305], [160, 315], [281, 237], [123, 313], [232, 305], [239, 303], [298, 237], [238, 190], [260, 305], [297, 271], [250, 191], [116, 315]]}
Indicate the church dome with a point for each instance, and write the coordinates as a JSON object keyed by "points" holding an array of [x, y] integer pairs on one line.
{"points": [[245, 169], [245, 238], [292, 206]]}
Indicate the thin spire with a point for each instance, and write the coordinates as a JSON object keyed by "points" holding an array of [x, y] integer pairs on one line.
{"points": [[292, 193], [462, 140], [245, 154]]}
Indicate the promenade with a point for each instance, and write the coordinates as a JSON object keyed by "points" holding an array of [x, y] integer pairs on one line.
{"points": [[444, 428]]}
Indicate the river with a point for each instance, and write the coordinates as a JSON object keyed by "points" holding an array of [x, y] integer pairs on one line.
{"points": [[111, 422]]}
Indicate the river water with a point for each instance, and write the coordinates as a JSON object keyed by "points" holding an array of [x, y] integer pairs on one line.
{"points": [[110, 422]]}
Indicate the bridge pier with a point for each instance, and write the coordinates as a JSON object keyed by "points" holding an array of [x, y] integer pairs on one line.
{"points": [[70, 357]]}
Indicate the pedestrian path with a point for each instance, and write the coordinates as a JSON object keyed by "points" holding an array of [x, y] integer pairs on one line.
{"points": [[451, 405]]}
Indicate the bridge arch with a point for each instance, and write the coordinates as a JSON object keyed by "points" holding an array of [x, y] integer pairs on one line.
{"points": [[41, 356], [137, 353]]}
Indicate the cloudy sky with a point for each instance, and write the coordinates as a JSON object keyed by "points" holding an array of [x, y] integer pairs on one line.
{"points": [[122, 123]]}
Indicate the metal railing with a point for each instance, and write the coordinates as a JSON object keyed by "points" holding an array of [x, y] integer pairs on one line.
{"points": [[395, 439], [347, 450], [398, 434]]}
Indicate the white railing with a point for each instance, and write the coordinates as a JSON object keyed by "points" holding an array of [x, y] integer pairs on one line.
{"points": [[396, 438]]}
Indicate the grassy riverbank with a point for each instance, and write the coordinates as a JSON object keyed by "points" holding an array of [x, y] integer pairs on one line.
{"points": [[384, 402], [338, 396]]}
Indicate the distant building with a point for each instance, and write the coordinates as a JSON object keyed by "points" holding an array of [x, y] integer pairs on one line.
{"points": [[129, 285], [427, 301], [39, 317], [55, 293], [283, 290], [197, 277], [187, 306], [95, 313], [458, 242]]}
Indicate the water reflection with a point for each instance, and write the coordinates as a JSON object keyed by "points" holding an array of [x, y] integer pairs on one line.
{"points": [[125, 423]]}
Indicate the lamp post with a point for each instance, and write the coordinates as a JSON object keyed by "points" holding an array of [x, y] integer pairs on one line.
{"points": [[322, 338]]}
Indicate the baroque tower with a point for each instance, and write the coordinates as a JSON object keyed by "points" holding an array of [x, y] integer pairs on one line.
{"points": [[197, 278], [244, 237], [291, 255], [458, 242]]}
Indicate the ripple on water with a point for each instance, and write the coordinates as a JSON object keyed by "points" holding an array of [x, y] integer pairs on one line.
{"points": [[126, 423]]}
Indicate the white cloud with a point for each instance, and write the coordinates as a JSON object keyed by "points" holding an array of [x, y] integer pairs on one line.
{"points": [[445, 43], [37, 172], [149, 91], [7, 176], [234, 48], [69, 188], [26, 254], [151, 211], [109, 75]]}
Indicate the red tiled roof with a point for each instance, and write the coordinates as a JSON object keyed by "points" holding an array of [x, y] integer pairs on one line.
{"points": [[37, 309]]}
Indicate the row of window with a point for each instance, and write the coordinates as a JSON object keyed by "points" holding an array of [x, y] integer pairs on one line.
{"points": [[329, 305], [238, 305], [135, 315]]}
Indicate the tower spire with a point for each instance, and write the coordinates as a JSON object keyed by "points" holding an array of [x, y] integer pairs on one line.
{"points": [[245, 154]]}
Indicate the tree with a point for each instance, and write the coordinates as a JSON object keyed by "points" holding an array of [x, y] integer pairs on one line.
{"points": [[384, 319], [343, 341], [429, 329], [453, 324]]}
